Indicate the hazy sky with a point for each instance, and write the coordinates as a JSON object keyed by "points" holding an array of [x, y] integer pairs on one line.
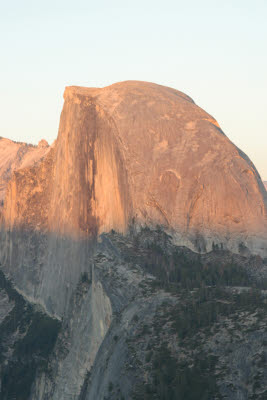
{"points": [[213, 50]]}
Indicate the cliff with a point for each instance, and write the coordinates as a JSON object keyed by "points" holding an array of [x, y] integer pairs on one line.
{"points": [[146, 162], [136, 152]]}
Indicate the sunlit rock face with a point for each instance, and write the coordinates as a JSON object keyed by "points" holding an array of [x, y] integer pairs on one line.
{"points": [[143, 153], [265, 184], [90, 190], [16, 155]]}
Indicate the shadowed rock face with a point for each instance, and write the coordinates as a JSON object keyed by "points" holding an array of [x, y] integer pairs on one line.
{"points": [[137, 151]]}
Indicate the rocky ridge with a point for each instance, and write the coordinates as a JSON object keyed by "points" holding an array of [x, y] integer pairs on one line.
{"points": [[148, 317], [17, 155], [144, 161]]}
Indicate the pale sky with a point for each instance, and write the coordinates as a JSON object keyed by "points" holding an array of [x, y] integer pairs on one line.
{"points": [[214, 51]]}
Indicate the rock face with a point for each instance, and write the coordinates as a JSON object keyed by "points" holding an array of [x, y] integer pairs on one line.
{"points": [[15, 155], [128, 157], [143, 153], [265, 184]]}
